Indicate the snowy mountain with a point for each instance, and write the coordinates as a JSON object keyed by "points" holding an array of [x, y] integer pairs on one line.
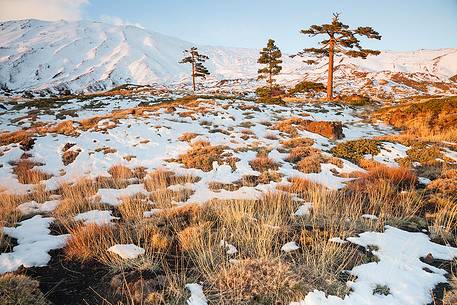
{"points": [[89, 56]]}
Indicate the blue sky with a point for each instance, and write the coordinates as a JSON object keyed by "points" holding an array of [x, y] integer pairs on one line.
{"points": [[404, 24]]}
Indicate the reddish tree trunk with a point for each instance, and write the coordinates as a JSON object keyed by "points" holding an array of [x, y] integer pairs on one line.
{"points": [[330, 69], [193, 71], [271, 77]]}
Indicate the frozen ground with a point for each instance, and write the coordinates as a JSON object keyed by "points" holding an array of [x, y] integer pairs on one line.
{"points": [[152, 141]]}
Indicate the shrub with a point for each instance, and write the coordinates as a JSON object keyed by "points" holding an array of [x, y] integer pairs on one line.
{"points": [[424, 154], [354, 150], [331, 130], [310, 164], [298, 141], [265, 97], [306, 86], [356, 100], [300, 152], [263, 163]]}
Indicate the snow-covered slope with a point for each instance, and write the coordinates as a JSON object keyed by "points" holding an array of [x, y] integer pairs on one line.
{"points": [[85, 55]]}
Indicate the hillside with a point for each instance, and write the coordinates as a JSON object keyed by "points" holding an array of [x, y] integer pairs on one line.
{"points": [[93, 56]]}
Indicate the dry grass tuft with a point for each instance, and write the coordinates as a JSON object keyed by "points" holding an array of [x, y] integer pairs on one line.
{"points": [[16, 289], [187, 136], [14, 137], [120, 172], [401, 178], [178, 218], [158, 182], [9, 214], [299, 152], [298, 141], [69, 156], [89, 242], [263, 163], [446, 183], [261, 281], [202, 155], [132, 208], [331, 130], [310, 164], [77, 198], [26, 174]]}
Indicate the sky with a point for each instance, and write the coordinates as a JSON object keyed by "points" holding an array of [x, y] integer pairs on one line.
{"points": [[404, 24]]}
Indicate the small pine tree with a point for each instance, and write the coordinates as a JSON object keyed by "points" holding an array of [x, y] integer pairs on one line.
{"points": [[191, 56], [340, 39], [270, 56]]}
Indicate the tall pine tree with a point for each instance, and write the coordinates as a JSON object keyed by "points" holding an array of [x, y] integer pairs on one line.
{"points": [[191, 56], [340, 39], [270, 56]]}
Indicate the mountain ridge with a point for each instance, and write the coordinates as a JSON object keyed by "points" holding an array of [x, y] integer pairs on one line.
{"points": [[92, 56]]}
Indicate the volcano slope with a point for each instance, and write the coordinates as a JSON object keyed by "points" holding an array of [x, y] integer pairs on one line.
{"points": [[216, 200]]}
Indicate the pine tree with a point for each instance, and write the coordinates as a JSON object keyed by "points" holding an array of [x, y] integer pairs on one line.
{"points": [[191, 56], [270, 56], [340, 40]]}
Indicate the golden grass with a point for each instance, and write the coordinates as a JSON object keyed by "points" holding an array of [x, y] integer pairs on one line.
{"points": [[400, 178], [158, 181], [120, 172], [446, 183], [27, 174], [202, 155], [187, 136], [298, 141], [77, 198], [331, 130], [430, 119], [258, 280], [263, 163], [299, 152], [132, 208], [91, 242], [9, 214], [310, 164], [191, 235]]}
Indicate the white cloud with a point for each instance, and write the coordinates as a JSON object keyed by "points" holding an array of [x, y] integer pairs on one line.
{"points": [[41, 9], [118, 21]]}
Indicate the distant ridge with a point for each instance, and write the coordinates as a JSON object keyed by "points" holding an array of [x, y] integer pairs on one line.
{"points": [[91, 56]]}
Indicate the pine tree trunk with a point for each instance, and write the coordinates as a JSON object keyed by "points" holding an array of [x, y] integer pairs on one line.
{"points": [[271, 79], [193, 71], [330, 69]]}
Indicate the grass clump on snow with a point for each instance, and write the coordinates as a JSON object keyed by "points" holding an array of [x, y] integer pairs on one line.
{"points": [[202, 155]]}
